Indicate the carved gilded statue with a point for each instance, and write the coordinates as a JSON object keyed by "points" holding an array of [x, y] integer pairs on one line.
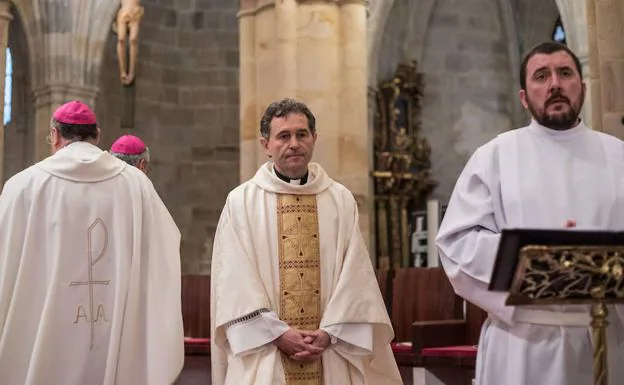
{"points": [[128, 23]]}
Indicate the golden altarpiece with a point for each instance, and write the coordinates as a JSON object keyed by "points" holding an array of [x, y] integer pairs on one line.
{"points": [[402, 169]]}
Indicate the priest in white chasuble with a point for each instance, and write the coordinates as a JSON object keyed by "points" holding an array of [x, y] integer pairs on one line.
{"points": [[294, 296], [555, 173], [89, 268]]}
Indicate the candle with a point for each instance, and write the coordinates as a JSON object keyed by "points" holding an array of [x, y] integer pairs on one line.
{"points": [[433, 222]]}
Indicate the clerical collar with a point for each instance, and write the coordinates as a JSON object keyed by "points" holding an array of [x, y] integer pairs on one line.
{"points": [[301, 181], [559, 135]]}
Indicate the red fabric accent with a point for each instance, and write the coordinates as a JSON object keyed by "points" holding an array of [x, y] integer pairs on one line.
{"points": [[450, 351], [401, 347], [196, 341], [74, 112]]}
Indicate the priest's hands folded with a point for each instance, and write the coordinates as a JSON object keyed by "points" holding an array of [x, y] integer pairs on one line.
{"points": [[302, 345]]}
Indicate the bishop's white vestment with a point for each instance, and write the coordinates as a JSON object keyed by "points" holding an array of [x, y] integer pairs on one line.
{"points": [[295, 252], [539, 178], [89, 275]]}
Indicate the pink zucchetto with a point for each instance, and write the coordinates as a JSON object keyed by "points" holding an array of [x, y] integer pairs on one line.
{"points": [[129, 145], [74, 112]]}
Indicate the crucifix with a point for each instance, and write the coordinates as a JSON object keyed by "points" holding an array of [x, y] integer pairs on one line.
{"points": [[93, 315], [127, 27]]}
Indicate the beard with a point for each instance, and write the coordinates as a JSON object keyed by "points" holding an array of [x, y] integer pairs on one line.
{"points": [[557, 121]]}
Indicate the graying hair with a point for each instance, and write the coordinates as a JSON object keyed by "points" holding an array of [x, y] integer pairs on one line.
{"points": [[80, 132], [284, 108], [133, 160]]}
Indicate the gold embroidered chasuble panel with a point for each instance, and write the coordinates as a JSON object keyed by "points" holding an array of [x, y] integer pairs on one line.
{"points": [[300, 277]]}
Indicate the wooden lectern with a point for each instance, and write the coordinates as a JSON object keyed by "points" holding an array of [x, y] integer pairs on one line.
{"points": [[553, 267]]}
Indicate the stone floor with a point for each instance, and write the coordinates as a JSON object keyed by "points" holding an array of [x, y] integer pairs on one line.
{"points": [[197, 372]]}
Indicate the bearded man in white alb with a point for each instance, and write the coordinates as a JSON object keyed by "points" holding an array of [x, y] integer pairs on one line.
{"points": [[89, 268], [552, 174], [294, 296]]}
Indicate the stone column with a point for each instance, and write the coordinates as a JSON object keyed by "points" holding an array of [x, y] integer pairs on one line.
{"points": [[593, 95], [265, 70], [286, 46], [47, 99], [319, 77], [5, 19], [577, 33], [247, 90], [355, 146], [315, 51], [609, 32]]}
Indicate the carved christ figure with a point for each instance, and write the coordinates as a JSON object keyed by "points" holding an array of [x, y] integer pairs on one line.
{"points": [[128, 20]]}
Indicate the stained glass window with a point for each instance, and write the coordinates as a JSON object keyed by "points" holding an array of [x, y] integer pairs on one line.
{"points": [[8, 87]]}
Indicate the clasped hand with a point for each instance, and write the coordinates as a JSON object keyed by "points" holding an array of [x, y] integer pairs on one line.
{"points": [[302, 345]]}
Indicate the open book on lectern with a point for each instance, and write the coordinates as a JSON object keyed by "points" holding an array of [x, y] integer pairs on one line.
{"points": [[513, 240]]}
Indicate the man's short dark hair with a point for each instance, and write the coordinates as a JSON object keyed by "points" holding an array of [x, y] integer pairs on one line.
{"points": [[547, 48], [284, 108], [80, 132]]}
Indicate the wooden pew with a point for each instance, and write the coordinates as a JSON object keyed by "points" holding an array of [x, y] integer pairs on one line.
{"points": [[422, 305], [448, 349], [432, 329], [419, 295], [196, 314], [422, 294]]}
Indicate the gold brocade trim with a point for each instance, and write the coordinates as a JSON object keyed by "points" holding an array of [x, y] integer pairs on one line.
{"points": [[300, 277]]}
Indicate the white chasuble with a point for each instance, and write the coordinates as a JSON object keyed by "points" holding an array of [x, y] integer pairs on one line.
{"points": [[279, 262], [89, 275], [539, 178]]}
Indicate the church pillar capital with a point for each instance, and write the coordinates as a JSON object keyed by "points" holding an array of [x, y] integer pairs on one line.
{"points": [[61, 93], [252, 7], [47, 99]]}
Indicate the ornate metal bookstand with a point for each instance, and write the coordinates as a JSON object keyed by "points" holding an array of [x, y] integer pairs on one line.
{"points": [[589, 275], [402, 171]]}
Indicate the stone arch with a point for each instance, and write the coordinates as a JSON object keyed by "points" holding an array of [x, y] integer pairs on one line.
{"points": [[410, 19], [536, 22], [84, 33], [18, 154], [419, 17], [94, 22], [574, 19], [377, 17], [32, 32]]}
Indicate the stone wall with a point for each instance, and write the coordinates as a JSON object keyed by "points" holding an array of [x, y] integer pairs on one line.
{"points": [[470, 85], [186, 109], [467, 96]]}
